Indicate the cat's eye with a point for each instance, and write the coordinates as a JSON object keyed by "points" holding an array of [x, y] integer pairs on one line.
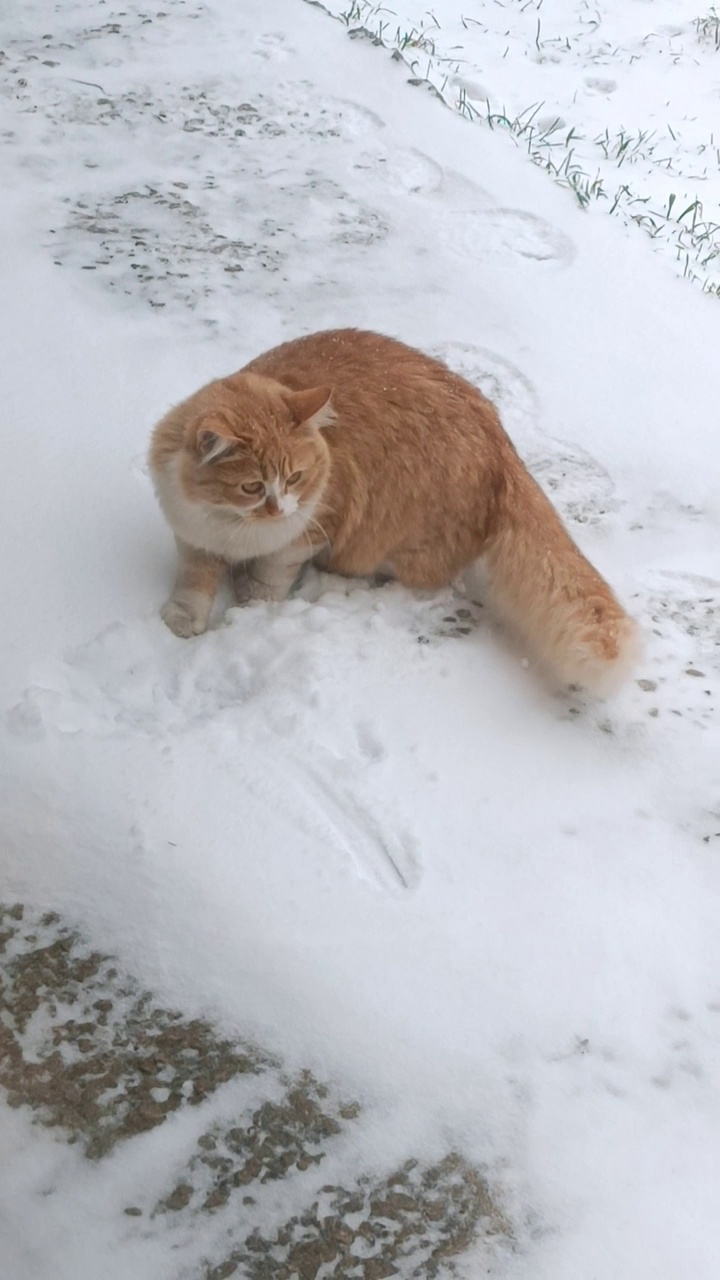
{"points": [[293, 479], [253, 487]]}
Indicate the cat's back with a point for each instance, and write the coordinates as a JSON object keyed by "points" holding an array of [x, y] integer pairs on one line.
{"points": [[390, 400], [359, 363], [348, 354]]}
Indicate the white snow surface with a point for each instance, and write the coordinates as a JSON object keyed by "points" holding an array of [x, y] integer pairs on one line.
{"points": [[616, 99], [391, 854]]}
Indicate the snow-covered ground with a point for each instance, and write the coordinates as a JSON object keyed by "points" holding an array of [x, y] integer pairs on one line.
{"points": [[617, 100], [356, 827]]}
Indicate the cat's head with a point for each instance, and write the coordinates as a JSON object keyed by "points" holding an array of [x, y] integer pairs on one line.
{"points": [[257, 446]]}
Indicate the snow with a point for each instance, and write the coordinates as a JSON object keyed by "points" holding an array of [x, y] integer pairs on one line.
{"points": [[385, 850], [615, 101]]}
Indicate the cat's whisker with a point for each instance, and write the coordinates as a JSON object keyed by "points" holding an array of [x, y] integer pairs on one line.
{"points": [[315, 524]]}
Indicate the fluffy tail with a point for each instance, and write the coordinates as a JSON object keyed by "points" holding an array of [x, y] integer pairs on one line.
{"points": [[543, 585]]}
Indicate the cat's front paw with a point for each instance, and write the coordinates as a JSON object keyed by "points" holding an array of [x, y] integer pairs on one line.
{"points": [[247, 589], [241, 585], [185, 618]]}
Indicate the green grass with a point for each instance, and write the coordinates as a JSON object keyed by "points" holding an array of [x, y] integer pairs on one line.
{"points": [[681, 224], [707, 29]]}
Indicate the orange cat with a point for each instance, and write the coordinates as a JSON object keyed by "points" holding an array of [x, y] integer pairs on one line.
{"points": [[357, 452]]}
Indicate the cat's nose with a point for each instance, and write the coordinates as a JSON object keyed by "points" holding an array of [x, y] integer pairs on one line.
{"points": [[271, 505]]}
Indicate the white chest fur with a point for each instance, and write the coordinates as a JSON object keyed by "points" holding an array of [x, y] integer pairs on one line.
{"points": [[221, 531]]}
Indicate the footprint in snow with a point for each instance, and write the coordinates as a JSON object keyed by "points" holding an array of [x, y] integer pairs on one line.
{"points": [[482, 234], [272, 47], [578, 484], [679, 614], [407, 172], [596, 84], [356, 120], [502, 382], [580, 488]]}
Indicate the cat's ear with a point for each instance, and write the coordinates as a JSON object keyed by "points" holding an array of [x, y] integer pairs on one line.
{"points": [[311, 408], [212, 442]]}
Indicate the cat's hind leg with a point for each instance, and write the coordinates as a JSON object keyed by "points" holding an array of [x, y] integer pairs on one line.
{"points": [[424, 569]]}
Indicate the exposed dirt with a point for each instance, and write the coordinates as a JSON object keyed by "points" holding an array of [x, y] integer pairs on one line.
{"points": [[412, 1224], [83, 1046], [95, 1057], [291, 1134]]}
